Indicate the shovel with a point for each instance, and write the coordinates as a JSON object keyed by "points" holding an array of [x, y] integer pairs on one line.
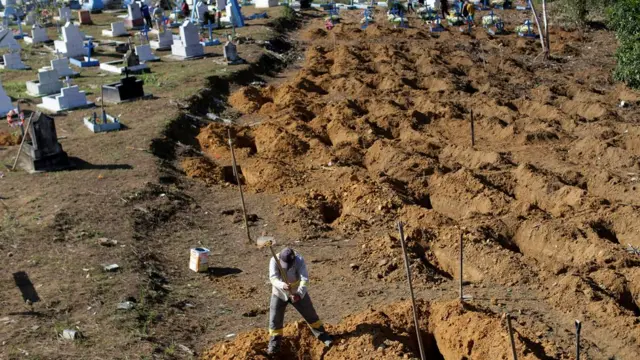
{"points": [[269, 241]]}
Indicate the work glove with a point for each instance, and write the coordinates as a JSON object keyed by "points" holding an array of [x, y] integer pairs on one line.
{"points": [[295, 298]]}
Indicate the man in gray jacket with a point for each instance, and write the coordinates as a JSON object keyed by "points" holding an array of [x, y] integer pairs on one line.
{"points": [[291, 290]]}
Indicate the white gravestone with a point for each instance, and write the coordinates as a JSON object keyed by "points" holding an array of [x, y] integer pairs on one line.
{"points": [[30, 19], [164, 42], [7, 40], [201, 9], [61, 66], [189, 43], [144, 53], [12, 61], [262, 4], [69, 98], [64, 14], [5, 102], [46, 84], [134, 16], [117, 29], [221, 5], [38, 35], [72, 45]]}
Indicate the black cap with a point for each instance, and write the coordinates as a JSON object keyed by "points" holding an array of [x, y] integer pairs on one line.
{"points": [[287, 258]]}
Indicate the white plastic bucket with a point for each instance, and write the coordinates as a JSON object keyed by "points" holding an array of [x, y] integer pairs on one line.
{"points": [[199, 259]]}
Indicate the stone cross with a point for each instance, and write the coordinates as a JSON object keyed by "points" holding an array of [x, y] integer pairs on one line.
{"points": [[210, 27]]}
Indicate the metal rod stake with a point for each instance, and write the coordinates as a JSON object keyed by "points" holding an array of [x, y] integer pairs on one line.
{"points": [[413, 299], [473, 132], [513, 342], [15, 162], [461, 277], [578, 328]]}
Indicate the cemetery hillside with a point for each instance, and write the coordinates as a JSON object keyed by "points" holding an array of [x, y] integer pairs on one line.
{"points": [[232, 179]]}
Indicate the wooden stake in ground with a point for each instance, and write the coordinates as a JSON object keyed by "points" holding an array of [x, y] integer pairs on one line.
{"points": [[413, 299], [578, 328], [473, 133], [513, 342], [237, 175], [15, 162], [461, 277]]}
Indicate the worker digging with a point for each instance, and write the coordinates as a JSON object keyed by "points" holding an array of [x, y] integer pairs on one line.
{"points": [[289, 279]]}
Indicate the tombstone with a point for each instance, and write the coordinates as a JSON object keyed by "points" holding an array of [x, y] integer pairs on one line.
{"points": [[46, 84], [231, 53], [134, 19], [93, 6], [5, 102], [130, 62], [221, 5], [72, 43], [262, 4], [234, 14], [38, 35], [70, 97], [117, 29], [8, 41], [61, 66], [127, 89], [145, 54], [164, 42], [84, 17], [41, 150], [64, 15], [200, 9], [74, 4], [188, 46], [30, 19], [12, 61]]}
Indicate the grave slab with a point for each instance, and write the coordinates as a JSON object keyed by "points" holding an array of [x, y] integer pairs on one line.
{"points": [[84, 17], [69, 98], [104, 123], [38, 35], [46, 84], [117, 29], [12, 61], [117, 67], [61, 66], [164, 42], [145, 54], [5, 102], [8, 41], [134, 19]]}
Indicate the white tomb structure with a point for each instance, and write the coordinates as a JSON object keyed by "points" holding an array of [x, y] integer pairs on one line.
{"points": [[72, 45], [117, 29], [144, 53], [263, 4], [61, 66], [8, 41], [38, 35], [12, 61], [46, 84], [188, 45], [5, 102], [30, 18], [64, 15], [164, 42], [70, 97]]}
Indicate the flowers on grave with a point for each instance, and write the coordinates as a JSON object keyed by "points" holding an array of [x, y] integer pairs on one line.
{"points": [[366, 19], [498, 2], [526, 28], [454, 18], [490, 20], [426, 14], [334, 18], [15, 122]]}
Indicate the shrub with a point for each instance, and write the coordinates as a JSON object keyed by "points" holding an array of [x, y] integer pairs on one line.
{"points": [[624, 18]]}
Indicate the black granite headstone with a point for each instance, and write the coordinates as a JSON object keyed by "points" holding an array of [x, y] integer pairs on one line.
{"points": [[129, 88], [41, 150]]}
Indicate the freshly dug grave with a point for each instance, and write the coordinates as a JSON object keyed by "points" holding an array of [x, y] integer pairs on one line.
{"points": [[375, 128], [449, 331], [7, 139]]}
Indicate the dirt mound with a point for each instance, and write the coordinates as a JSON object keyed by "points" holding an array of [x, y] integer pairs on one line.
{"points": [[203, 169], [7, 139], [449, 331]]}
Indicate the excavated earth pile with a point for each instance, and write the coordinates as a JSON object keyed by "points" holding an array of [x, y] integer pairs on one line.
{"points": [[375, 128], [450, 331]]}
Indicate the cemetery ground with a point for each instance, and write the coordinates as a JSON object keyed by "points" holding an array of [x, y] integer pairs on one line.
{"points": [[369, 127]]}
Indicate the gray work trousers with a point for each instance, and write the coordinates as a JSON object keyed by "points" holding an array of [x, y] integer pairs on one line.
{"points": [[304, 307]]}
